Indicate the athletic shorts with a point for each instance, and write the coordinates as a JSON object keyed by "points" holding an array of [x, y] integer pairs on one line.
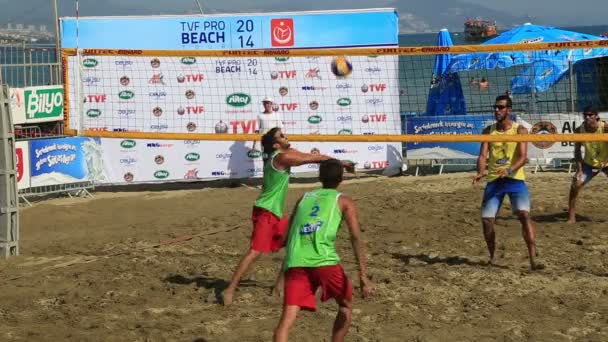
{"points": [[589, 172], [268, 231], [301, 284], [495, 192]]}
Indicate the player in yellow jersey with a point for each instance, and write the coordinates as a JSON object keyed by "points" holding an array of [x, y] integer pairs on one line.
{"points": [[505, 176], [594, 161]]}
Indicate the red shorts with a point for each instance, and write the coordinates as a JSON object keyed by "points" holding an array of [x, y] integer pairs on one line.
{"points": [[268, 231], [301, 283]]}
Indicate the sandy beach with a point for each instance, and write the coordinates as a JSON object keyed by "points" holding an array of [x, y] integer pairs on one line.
{"points": [[149, 266]]}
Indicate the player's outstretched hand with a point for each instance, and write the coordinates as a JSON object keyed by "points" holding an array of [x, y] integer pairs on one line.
{"points": [[367, 287], [477, 178], [349, 166]]}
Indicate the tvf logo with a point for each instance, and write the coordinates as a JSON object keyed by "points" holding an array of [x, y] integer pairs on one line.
{"points": [[98, 98], [285, 107], [382, 164], [373, 88], [190, 78], [244, 126], [283, 74], [374, 118], [194, 109]]}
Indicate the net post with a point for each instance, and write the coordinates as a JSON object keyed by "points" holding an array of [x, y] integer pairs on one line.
{"points": [[79, 102], [9, 202], [571, 86]]}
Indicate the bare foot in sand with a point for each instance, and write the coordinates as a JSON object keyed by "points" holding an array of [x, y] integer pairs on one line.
{"points": [[536, 266], [277, 289], [227, 297], [491, 261]]}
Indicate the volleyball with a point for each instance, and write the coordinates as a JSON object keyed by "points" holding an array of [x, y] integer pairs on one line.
{"points": [[341, 67], [221, 127]]}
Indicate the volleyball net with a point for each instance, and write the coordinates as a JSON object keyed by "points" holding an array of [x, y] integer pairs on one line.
{"points": [[388, 94]]}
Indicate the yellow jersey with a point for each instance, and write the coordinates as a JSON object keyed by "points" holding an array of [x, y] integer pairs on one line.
{"points": [[503, 155], [596, 152]]}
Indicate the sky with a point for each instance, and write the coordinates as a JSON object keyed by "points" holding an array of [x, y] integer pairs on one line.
{"points": [[562, 12], [429, 14]]}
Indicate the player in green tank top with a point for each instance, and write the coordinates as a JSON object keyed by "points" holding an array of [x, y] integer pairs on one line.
{"points": [[268, 217], [313, 230], [595, 160], [274, 188], [312, 262]]}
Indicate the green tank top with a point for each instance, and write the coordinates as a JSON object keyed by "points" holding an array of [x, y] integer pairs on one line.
{"points": [[274, 188], [312, 235], [596, 152], [503, 154]]}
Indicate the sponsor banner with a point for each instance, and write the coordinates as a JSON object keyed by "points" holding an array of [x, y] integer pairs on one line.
{"points": [[132, 161], [65, 160], [244, 31], [125, 161], [326, 95], [551, 124], [17, 105], [366, 156], [448, 125], [142, 160], [474, 124], [314, 95], [23, 164], [43, 104]]}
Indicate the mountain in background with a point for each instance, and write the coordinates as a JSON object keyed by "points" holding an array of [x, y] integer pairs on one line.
{"points": [[414, 16]]}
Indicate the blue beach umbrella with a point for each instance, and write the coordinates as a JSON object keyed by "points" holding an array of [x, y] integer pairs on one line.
{"points": [[543, 68], [445, 95]]}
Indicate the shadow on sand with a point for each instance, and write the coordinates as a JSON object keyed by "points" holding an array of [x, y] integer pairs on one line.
{"points": [[449, 260]]}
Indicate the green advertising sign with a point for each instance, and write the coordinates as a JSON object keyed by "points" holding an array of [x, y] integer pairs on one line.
{"points": [[43, 103]]}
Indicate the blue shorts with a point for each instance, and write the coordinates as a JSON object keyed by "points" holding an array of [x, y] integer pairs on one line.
{"points": [[495, 192], [589, 172]]}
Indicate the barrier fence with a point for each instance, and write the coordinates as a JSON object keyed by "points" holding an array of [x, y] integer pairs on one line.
{"points": [[26, 65]]}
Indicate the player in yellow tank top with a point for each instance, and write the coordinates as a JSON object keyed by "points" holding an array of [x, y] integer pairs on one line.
{"points": [[505, 176], [593, 162]]}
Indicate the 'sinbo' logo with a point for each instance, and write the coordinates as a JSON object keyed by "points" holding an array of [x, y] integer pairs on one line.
{"points": [[315, 119], [161, 174], [193, 156], [93, 113], [126, 95], [128, 143], [253, 154], [344, 102], [238, 100], [90, 63], [188, 60]]}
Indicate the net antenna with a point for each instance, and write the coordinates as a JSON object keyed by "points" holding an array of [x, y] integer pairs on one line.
{"points": [[200, 8], [78, 70]]}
